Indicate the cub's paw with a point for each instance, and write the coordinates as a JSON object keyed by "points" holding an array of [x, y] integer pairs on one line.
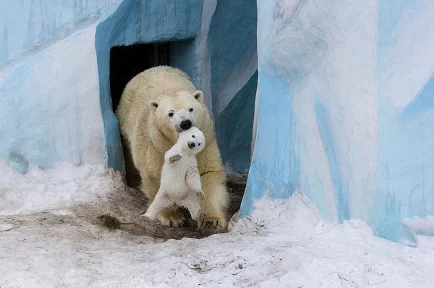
{"points": [[172, 218], [174, 158], [201, 195], [213, 224]]}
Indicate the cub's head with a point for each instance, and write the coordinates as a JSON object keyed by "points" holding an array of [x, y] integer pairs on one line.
{"points": [[192, 141], [177, 113]]}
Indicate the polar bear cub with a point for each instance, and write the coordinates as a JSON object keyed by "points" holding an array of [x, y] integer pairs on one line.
{"points": [[180, 179]]}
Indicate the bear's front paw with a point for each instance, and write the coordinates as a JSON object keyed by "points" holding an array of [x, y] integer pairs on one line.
{"points": [[174, 158], [201, 195], [212, 224]]}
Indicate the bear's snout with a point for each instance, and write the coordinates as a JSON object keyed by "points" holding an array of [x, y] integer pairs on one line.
{"points": [[185, 124], [191, 145]]}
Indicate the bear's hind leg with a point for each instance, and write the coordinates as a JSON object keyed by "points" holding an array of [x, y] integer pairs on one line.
{"points": [[215, 202]]}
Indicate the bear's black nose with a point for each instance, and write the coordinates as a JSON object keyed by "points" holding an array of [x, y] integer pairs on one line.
{"points": [[185, 125], [191, 145]]}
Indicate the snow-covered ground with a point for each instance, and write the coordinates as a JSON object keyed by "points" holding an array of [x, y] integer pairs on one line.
{"points": [[45, 241]]}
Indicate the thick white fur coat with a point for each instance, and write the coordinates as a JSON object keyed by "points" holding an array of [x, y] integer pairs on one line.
{"points": [[180, 179]]}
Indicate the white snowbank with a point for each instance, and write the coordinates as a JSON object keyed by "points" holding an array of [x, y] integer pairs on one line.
{"points": [[420, 225], [62, 185], [283, 244]]}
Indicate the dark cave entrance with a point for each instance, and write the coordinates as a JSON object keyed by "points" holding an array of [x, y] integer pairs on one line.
{"points": [[125, 63], [128, 61]]}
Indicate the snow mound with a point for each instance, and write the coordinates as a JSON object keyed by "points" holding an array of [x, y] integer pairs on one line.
{"points": [[420, 225], [62, 185], [284, 243]]}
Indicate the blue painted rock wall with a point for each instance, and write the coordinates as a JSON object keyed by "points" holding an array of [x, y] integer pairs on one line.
{"points": [[138, 22], [345, 109], [28, 25], [49, 97], [231, 72], [54, 73], [233, 59]]}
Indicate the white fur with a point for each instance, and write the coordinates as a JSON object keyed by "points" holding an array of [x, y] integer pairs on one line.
{"points": [[150, 132], [180, 179]]}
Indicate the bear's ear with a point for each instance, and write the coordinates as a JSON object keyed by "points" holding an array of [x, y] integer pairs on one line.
{"points": [[198, 95], [153, 104]]}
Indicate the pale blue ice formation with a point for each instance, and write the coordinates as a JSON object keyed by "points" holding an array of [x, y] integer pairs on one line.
{"points": [[49, 96], [346, 109]]}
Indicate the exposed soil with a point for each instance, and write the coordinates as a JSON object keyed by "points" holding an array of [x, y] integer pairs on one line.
{"points": [[122, 211]]}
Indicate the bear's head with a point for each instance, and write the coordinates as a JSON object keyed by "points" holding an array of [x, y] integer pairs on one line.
{"points": [[192, 141], [176, 113]]}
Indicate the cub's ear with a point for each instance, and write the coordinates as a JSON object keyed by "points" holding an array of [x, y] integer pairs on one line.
{"points": [[153, 104], [198, 95]]}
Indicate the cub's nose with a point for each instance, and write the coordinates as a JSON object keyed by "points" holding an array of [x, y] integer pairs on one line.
{"points": [[191, 145], [185, 125]]}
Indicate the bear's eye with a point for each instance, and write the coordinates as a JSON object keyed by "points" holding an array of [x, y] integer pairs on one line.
{"points": [[193, 136], [191, 110], [170, 114], [198, 144]]}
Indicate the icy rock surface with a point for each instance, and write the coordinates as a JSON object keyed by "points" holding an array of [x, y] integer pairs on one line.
{"points": [[49, 92], [345, 111]]}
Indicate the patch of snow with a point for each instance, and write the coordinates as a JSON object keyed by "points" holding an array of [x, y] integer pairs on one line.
{"points": [[420, 225], [60, 186], [6, 227]]}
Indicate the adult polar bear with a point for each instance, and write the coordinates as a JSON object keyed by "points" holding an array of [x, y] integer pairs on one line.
{"points": [[155, 106]]}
